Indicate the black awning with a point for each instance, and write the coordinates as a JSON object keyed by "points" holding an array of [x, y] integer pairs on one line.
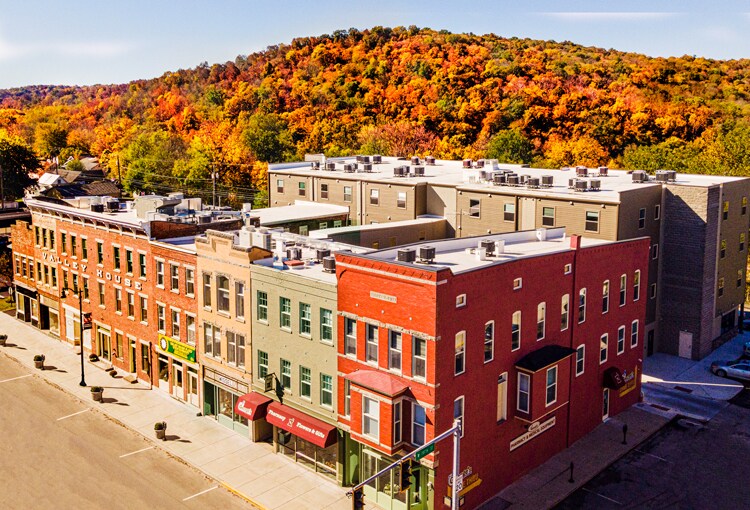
{"points": [[613, 378], [544, 357], [26, 292]]}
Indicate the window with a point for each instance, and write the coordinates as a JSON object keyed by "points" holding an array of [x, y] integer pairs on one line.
{"points": [[509, 212], [347, 398], [190, 328], [285, 313], [502, 397], [460, 300], [458, 412], [129, 261], [460, 353], [336, 223], [53, 275], [721, 287], [401, 200], [305, 319], [144, 308], [142, 264], [37, 235], [131, 305], [85, 283], [637, 285], [100, 286], [642, 218], [326, 325], [116, 255], [515, 331], [305, 382], [118, 300], [541, 312], [742, 241], [489, 341], [723, 249], [63, 242], [474, 208], [222, 293], [396, 422], [208, 340], [279, 185], [418, 422], [634, 333], [394, 350], [370, 418], [655, 251], [286, 374], [522, 400], [548, 216], [217, 342], [551, 386], [517, 283], [324, 191], [620, 339], [239, 300], [657, 212], [262, 364], [582, 306], [374, 197], [623, 289], [592, 221], [118, 345], [580, 359], [347, 193], [159, 273], [73, 245], [323, 225], [564, 312], [161, 318], [206, 290], [725, 211], [653, 291], [605, 404], [605, 296], [262, 306], [350, 337], [603, 341], [175, 323], [174, 277], [419, 358], [326, 390], [744, 206], [568, 268], [371, 340]]}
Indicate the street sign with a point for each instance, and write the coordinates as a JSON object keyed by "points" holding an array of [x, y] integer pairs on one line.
{"points": [[424, 451]]}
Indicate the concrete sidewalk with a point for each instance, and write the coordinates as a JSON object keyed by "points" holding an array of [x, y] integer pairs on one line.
{"points": [[252, 470]]}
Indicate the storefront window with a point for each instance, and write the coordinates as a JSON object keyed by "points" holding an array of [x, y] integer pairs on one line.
{"points": [[226, 406], [322, 460], [238, 417], [54, 322]]}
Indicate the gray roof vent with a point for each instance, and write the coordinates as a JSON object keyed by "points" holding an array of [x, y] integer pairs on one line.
{"points": [[427, 254], [329, 264], [407, 255]]}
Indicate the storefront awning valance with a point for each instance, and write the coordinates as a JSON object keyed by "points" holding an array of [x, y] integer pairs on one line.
{"points": [[298, 423], [544, 357], [613, 378], [252, 405]]}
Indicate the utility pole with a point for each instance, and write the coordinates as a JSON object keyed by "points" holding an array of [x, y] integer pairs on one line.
{"points": [[213, 183], [2, 187], [119, 176]]}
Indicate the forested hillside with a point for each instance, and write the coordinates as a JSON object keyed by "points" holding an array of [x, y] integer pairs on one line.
{"points": [[400, 91]]}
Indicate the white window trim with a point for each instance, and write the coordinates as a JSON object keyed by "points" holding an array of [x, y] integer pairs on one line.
{"points": [[582, 348], [604, 339], [462, 352], [528, 393], [637, 332], [517, 283], [620, 329], [376, 436], [491, 341], [460, 300], [546, 386]]}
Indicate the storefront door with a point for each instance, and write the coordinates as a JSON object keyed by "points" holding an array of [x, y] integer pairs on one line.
{"points": [[163, 373], [383, 491], [192, 382], [177, 387], [103, 343]]}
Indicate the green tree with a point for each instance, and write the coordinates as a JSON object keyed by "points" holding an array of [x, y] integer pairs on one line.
{"points": [[510, 146], [50, 139], [268, 138], [150, 159], [17, 160], [260, 200]]}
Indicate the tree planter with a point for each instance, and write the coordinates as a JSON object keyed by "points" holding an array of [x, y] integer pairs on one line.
{"points": [[160, 429], [96, 393], [39, 361], [3, 338]]}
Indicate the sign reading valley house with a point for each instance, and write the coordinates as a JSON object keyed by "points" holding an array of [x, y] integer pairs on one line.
{"points": [[535, 429], [178, 349]]}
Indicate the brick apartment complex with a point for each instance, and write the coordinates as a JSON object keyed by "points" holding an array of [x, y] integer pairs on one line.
{"points": [[688, 219]]}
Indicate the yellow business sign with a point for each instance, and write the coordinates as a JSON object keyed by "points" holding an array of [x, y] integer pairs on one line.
{"points": [[630, 382], [177, 348]]}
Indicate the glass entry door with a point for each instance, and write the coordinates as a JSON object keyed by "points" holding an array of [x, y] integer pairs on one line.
{"points": [[384, 490], [177, 386], [192, 382]]}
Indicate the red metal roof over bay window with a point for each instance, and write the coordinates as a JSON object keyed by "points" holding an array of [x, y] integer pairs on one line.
{"points": [[308, 428], [252, 406]]}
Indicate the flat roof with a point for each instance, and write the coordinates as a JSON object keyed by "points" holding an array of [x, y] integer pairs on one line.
{"points": [[421, 220], [301, 210], [462, 254], [452, 173]]}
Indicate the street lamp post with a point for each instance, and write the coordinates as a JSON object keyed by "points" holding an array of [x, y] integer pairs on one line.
{"points": [[80, 327]]}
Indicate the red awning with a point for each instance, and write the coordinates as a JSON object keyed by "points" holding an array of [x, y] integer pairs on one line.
{"points": [[613, 378], [376, 380], [308, 428], [252, 406]]}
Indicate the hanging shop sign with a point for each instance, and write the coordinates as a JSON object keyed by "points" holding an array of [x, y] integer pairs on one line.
{"points": [[176, 348], [630, 380], [535, 429]]}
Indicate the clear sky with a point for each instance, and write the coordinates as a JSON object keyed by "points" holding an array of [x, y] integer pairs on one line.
{"points": [[85, 42]]}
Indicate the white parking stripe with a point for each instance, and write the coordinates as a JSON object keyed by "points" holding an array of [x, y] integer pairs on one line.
{"points": [[201, 492], [74, 414], [652, 455], [601, 496], [15, 378], [137, 451]]}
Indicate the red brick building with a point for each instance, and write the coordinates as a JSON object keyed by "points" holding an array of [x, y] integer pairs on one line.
{"points": [[531, 346]]}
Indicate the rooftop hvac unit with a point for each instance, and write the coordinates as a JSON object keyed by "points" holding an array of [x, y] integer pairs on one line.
{"points": [[532, 182], [113, 205], [500, 246], [483, 175], [427, 254], [419, 171], [662, 176], [467, 163], [547, 181], [671, 175], [377, 159], [480, 163], [315, 165], [581, 185], [367, 167], [330, 165], [524, 178], [595, 184], [430, 160], [365, 159], [415, 160], [572, 183], [359, 159], [294, 253], [97, 208], [329, 264], [582, 171], [640, 176], [321, 253], [489, 246], [603, 171], [204, 218], [407, 255], [398, 171], [261, 240], [349, 167], [498, 178], [252, 221], [512, 179], [406, 170]]}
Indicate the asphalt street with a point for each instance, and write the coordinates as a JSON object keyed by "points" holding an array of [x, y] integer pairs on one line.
{"points": [[59, 452]]}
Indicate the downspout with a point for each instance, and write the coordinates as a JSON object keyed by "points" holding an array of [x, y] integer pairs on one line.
{"points": [[575, 243]]}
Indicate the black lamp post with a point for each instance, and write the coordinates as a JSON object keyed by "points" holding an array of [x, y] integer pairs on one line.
{"points": [[80, 326]]}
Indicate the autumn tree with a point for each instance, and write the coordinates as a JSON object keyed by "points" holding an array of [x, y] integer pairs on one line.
{"points": [[268, 138], [17, 160]]}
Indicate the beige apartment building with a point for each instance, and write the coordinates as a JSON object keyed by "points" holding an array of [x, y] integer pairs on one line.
{"points": [[484, 197]]}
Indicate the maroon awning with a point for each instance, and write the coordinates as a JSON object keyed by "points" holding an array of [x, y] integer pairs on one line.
{"points": [[252, 405], [308, 428], [613, 378]]}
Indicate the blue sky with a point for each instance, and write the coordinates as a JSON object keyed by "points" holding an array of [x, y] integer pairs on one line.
{"points": [[86, 42]]}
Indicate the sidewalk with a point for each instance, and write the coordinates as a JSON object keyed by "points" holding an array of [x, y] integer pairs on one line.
{"points": [[548, 484], [252, 470]]}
